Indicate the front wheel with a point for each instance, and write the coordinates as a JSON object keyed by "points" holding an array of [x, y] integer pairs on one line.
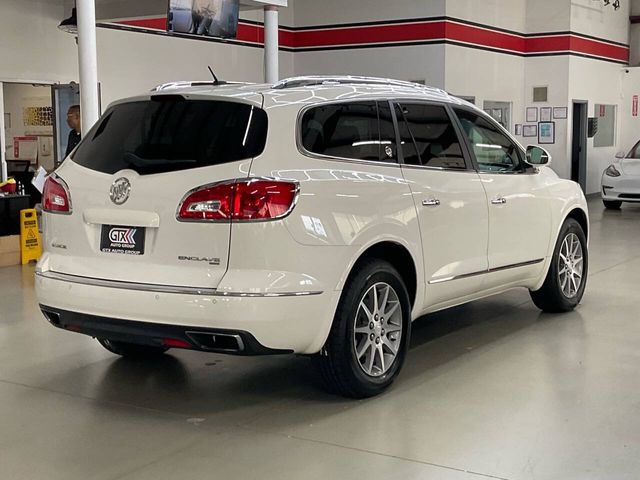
{"points": [[612, 204], [566, 279], [132, 350], [369, 337]]}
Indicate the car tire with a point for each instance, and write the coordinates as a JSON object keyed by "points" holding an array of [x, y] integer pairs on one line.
{"points": [[561, 291], [132, 350], [365, 351], [612, 204]]}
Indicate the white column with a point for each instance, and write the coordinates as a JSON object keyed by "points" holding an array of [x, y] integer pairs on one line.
{"points": [[88, 61], [271, 69], [3, 147]]}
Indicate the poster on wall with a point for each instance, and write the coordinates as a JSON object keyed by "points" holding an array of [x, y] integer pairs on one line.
{"points": [[37, 116], [530, 131], [532, 114], [546, 133], [209, 18], [559, 113], [634, 106], [518, 129], [545, 114]]}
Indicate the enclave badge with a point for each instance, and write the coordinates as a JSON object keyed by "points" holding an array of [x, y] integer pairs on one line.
{"points": [[120, 190]]}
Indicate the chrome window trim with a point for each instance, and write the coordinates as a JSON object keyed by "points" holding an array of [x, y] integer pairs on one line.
{"points": [[157, 288], [484, 272]]}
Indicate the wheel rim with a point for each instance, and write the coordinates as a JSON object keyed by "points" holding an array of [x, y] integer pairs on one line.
{"points": [[570, 266], [378, 329]]}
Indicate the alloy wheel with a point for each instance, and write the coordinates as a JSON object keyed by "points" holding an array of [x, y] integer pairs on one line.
{"points": [[378, 329], [570, 265]]}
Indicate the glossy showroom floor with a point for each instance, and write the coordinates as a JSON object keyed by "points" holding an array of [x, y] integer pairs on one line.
{"points": [[490, 390]]}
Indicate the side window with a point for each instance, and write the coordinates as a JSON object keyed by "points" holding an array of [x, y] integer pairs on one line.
{"points": [[429, 128], [349, 130], [494, 151]]}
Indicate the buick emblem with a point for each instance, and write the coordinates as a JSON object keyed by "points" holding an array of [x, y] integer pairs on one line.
{"points": [[120, 190]]}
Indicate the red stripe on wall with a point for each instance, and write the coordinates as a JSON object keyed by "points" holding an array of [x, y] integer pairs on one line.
{"points": [[420, 31], [484, 37]]}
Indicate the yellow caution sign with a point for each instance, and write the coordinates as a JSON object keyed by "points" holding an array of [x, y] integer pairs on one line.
{"points": [[30, 245]]}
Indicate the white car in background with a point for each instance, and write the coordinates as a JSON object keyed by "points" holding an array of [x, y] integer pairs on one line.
{"points": [[318, 216], [621, 179]]}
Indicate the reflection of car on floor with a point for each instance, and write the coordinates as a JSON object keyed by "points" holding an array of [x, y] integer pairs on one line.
{"points": [[318, 216], [621, 179]]}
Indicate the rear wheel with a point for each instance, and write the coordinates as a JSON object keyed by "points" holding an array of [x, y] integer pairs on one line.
{"points": [[369, 337], [567, 277], [612, 204], [131, 350]]}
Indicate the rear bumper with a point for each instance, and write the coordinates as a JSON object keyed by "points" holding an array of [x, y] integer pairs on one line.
{"points": [[265, 324], [174, 336]]}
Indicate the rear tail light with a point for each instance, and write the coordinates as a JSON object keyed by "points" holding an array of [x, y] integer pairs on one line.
{"points": [[239, 200], [55, 196]]}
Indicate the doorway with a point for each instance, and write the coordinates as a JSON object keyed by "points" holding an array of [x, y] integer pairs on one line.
{"points": [[579, 143]]}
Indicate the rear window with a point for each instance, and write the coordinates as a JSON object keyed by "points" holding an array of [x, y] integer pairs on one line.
{"points": [[171, 133]]}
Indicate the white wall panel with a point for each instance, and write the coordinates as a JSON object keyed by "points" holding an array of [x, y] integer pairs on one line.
{"points": [[599, 83], [509, 14], [423, 62], [31, 46]]}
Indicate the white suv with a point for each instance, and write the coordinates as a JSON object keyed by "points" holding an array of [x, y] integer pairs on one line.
{"points": [[317, 216]]}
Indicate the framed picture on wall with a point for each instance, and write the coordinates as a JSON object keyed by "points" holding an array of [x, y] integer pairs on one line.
{"points": [[546, 133], [545, 114], [529, 130], [560, 113], [532, 114]]}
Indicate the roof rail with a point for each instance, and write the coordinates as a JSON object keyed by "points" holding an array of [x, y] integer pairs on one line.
{"points": [[186, 84], [312, 80]]}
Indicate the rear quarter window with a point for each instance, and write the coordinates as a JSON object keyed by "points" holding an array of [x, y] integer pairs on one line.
{"points": [[355, 130], [172, 133]]}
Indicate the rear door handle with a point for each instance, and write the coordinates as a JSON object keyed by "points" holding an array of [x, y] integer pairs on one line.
{"points": [[432, 202], [499, 201]]}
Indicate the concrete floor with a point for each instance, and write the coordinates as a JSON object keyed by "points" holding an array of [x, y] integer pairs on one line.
{"points": [[494, 389]]}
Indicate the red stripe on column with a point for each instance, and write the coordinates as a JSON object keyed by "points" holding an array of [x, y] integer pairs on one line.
{"points": [[599, 49], [487, 38]]}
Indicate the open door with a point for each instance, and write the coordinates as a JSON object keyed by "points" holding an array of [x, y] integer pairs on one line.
{"points": [[579, 144], [62, 97]]}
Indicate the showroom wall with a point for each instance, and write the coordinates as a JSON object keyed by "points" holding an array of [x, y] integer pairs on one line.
{"points": [[32, 47], [470, 48]]}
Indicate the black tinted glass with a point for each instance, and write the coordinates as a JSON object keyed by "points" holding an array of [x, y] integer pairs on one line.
{"points": [[435, 138], [172, 133], [494, 151], [347, 130], [408, 146]]}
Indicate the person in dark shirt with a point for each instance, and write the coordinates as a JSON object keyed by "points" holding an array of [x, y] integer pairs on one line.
{"points": [[73, 120]]}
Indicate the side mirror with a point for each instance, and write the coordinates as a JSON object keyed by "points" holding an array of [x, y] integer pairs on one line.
{"points": [[537, 156], [620, 155]]}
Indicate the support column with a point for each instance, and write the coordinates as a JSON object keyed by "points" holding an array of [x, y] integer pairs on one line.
{"points": [[271, 68], [88, 62], [3, 147]]}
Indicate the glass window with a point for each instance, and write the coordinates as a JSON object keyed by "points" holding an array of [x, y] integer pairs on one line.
{"points": [[172, 133], [494, 151], [606, 135], [635, 151], [430, 128], [350, 130]]}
